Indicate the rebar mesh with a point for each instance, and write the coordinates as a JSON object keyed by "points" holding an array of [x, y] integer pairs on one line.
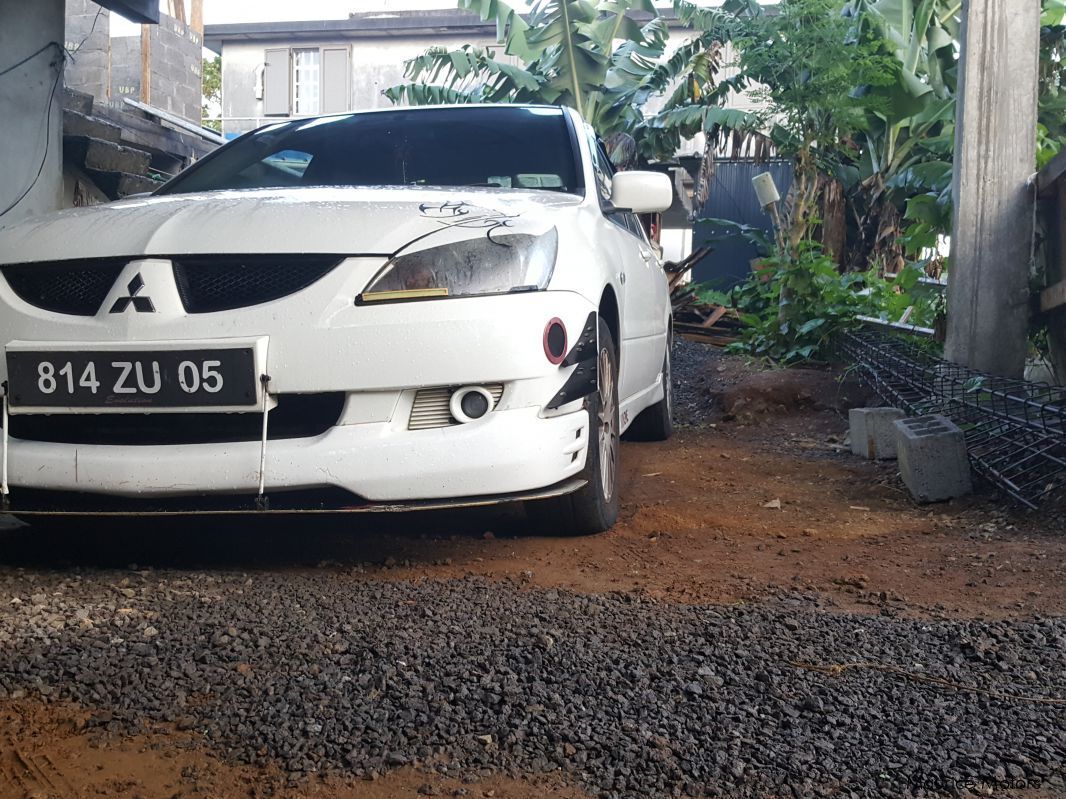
{"points": [[1015, 430]]}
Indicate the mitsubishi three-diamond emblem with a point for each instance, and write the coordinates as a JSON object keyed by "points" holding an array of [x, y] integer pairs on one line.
{"points": [[140, 304]]}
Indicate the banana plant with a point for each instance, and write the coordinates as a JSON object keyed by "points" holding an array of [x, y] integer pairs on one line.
{"points": [[694, 96], [567, 52]]}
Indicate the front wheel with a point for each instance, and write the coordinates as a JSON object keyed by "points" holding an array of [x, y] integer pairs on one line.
{"points": [[594, 507]]}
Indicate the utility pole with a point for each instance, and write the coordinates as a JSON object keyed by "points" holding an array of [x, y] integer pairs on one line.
{"points": [[995, 155]]}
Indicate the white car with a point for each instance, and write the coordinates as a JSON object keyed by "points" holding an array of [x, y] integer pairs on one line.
{"points": [[397, 309]]}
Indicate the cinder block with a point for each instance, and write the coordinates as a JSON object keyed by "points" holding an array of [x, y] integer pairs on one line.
{"points": [[105, 156], [873, 432], [75, 124], [933, 459]]}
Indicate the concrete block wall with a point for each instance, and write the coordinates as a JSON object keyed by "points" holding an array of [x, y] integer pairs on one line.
{"points": [[89, 67], [126, 67], [175, 68]]}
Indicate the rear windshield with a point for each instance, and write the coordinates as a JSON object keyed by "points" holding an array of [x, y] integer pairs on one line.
{"points": [[516, 148]]}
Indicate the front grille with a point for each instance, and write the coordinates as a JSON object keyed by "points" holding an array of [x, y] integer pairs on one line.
{"points": [[430, 408], [77, 288], [222, 283], [296, 416]]}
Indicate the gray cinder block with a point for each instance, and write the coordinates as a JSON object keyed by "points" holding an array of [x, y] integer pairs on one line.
{"points": [[873, 432], [932, 458]]}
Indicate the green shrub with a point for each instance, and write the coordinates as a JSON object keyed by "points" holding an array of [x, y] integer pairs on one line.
{"points": [[792, 308]]}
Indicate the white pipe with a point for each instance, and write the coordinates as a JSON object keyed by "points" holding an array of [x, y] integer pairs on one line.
{"points": [[4, 490], [265, 380]]}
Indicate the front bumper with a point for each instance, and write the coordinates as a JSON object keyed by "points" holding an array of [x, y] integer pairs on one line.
{"points": [[509, 452], [378, 357]]}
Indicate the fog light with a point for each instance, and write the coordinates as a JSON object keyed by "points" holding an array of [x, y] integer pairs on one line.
{"points": [[555, 341], [470, 403]]}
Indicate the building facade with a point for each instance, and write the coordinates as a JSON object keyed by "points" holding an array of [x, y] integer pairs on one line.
{"points": [[274, 71]]}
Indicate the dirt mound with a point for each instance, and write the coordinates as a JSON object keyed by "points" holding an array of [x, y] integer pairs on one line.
{"points": [[784, 391]]}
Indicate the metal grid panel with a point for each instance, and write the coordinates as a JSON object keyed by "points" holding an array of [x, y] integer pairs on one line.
{"points": [[1015, 430]]}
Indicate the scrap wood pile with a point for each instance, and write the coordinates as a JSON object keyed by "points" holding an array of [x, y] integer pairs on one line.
{"points": [[716, 324]]}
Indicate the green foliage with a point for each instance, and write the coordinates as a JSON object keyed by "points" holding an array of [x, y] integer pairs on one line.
{"points": [[212, 93], [1051, 132], [707, 294], [793, 308], [808, 69], [568, 56], [815, 75]]}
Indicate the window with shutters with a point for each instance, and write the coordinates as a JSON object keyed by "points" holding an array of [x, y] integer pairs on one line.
{"points": [[305, 81]]}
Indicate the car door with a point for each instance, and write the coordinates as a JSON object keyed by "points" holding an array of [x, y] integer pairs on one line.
{"points": [[642, 306]]}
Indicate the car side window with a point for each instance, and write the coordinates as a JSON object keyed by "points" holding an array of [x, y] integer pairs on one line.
{"points": [[634, 226], [604, 177]]}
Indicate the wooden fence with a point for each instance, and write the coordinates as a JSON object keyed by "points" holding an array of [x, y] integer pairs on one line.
{"points": [[1051, 205]]}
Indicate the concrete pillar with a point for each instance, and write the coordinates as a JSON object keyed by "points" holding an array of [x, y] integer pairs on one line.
{"points": [[995, 153], [31, 138]]}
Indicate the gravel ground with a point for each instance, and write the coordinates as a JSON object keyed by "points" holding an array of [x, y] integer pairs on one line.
{"points": [[329, 670], [690, 366]]}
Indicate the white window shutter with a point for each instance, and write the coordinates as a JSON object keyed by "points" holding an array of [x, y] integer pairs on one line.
{"points": [[276, 77], [336, 73]]}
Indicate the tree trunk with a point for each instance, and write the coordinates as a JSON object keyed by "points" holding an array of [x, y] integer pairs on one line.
{"points": [[834, 225]]}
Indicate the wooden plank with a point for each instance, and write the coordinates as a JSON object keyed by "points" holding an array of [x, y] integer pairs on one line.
{"points": [[196, 20], [153, 136], [1053, 297], [146, 64], [1051, 174], [716, 314], [177, 122], [897, 327]]}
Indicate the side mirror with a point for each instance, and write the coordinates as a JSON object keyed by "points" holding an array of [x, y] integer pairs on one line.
{"points": [[642, 192]]}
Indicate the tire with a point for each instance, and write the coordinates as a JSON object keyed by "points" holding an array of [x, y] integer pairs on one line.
{"points": [[656, 423], [594, 507]]}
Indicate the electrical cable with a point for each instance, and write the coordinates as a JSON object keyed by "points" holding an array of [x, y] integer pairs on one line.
{"points": [[30, 57], [64, 54], [48, 115], [92, 29]]}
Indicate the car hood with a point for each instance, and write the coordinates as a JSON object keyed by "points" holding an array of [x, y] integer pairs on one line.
{"points": [[348, 221]]}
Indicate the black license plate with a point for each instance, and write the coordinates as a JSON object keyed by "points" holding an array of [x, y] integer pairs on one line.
{"points": [[132, 379]]}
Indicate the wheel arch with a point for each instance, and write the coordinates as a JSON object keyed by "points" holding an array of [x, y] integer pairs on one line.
{"points": [[608, 310]]}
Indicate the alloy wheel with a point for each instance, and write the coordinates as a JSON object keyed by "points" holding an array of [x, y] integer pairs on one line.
{"points": [[608, 427]]}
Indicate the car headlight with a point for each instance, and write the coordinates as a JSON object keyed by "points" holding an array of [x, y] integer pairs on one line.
{"points": [[486, 265]]}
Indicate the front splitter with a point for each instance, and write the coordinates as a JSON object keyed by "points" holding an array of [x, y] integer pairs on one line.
{"points": [[65, 504]]}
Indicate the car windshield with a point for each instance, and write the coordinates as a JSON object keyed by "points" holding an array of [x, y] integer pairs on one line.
{"points": [[514, 148]]}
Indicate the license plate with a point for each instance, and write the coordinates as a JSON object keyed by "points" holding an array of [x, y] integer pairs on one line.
{"points": [[133, 379]]}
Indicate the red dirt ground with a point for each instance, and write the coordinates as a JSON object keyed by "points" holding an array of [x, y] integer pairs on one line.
{"points": [[725, 513]]}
